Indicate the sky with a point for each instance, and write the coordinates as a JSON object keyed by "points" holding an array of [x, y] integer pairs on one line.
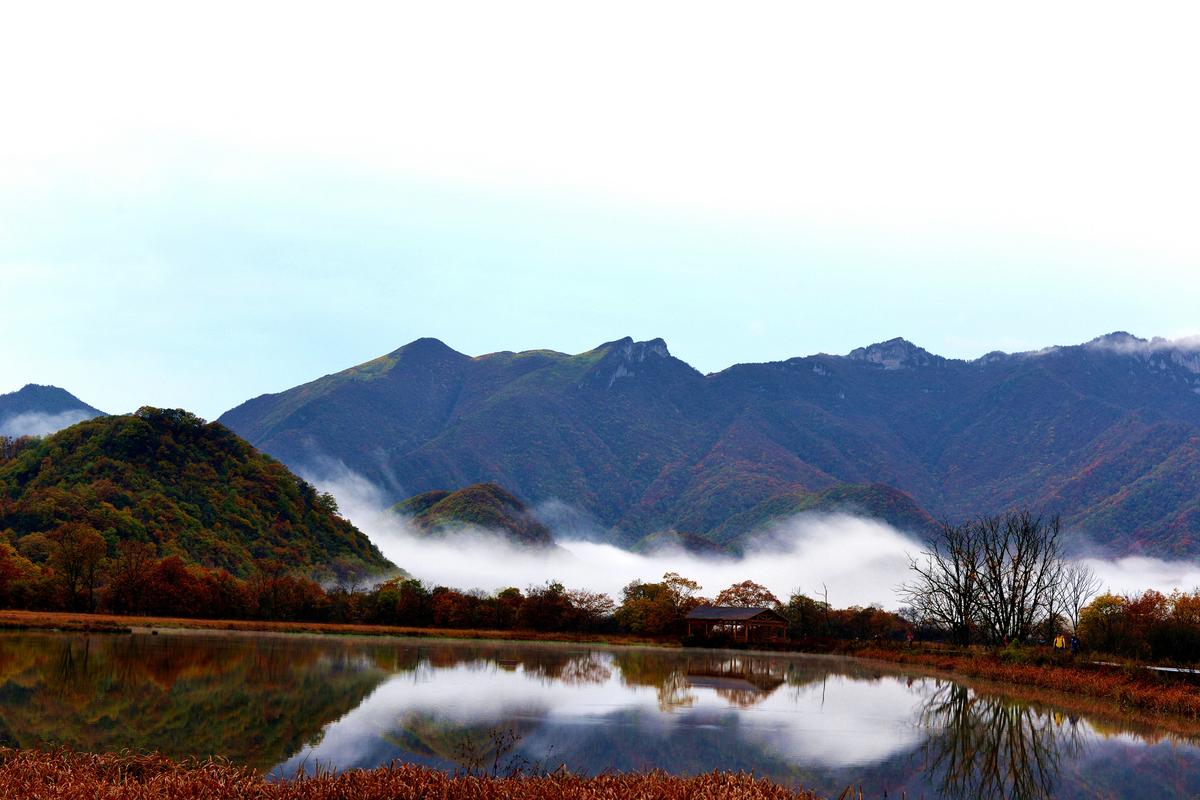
{"points": [[202, 204]]}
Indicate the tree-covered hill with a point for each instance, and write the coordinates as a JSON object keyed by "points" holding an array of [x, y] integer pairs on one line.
{"points": [[484, 505], [191, 488]]}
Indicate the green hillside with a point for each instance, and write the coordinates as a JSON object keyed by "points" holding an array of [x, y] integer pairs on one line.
{"points": [[484, 505], [194, 489]]}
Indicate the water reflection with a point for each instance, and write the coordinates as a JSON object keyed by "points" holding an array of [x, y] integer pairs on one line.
{"points": [[990, 747], [279, 702]]}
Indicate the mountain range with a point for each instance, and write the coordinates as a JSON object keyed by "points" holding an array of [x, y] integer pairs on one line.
{"points": [[1107, 433]]}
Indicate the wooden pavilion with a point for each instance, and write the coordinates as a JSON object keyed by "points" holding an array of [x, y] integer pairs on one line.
{"points": [[736, 623]]}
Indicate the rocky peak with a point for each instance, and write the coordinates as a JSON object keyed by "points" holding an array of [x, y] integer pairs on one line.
{"points": [[1120, 341], [636, 352], [626, 358], [1157, 352], [895, 354]]}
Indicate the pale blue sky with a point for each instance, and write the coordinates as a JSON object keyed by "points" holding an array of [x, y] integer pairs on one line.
{"points": [[184, 230]]}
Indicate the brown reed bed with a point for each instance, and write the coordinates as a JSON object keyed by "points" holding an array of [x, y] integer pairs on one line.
{"points": [[65, 775], [63, 620], [1126, 687]]}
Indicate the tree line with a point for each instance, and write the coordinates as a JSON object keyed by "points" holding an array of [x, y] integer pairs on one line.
{"points": [[993, 580], [70, 569]]}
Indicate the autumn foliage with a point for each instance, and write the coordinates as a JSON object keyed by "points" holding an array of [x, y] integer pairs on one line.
{"points": [[1149, 626], [169, 479]]}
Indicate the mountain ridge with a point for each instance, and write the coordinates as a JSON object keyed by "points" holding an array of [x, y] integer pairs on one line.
{"points": [[644, 442]]}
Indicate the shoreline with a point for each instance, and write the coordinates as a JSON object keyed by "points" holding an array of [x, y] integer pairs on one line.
{"points": [[1134, 691], [80, 622]]}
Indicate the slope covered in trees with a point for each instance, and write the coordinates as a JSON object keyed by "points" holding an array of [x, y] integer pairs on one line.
{"points": [[1107, 432], [483, 505], [185, 487]]}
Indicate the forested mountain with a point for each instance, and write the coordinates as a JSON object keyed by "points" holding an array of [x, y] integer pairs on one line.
{"points": [[1107, 432], [37, 410], [483, 505], [192, 489]]}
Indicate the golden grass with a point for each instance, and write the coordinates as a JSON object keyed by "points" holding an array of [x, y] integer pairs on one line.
{"points": [[1127, 688], [64, 775], [58, 620]]}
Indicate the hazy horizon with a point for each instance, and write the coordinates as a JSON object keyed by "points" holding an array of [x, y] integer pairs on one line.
{"points": [[748, 187]]}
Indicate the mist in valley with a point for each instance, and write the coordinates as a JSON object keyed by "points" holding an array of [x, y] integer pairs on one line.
{"points": [[35, 423], [858, 561]]}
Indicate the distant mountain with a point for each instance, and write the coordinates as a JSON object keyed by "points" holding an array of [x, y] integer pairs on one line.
{"points": [[483, 505], [1108, 432], [37, 410], [194, 489]]}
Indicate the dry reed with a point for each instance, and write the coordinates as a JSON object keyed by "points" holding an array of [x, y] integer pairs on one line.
{"points": [[65, 775], [71, 621], [1129, 688]]}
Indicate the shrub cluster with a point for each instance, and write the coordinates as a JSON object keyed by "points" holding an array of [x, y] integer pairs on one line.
{"points": [[1147, 626]]}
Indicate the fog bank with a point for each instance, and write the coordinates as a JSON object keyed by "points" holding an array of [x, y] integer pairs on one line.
{"points": [[35, 423], [860, 561]]}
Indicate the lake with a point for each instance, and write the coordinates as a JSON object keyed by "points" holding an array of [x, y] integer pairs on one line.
{"points": [[281, 703]]}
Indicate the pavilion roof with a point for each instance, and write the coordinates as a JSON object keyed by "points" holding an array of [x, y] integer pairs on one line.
{"points": [[732, 613]]}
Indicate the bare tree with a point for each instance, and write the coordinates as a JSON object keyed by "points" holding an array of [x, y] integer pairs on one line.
{"points": [[1000, 575], [1079, 585], [1020, 571], [944, 591]]}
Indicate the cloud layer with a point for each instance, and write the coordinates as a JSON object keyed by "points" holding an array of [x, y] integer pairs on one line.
{"points": [[38, 424], [860, 561]]}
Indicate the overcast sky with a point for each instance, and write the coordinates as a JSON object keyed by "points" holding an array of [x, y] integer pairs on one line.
{"points": [[201, 204]]}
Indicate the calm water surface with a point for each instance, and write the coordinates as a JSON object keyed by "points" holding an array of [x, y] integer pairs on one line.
{"points": [[281, 702]]}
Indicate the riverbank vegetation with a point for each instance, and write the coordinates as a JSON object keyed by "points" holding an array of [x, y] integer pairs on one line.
{"points": [[1128, 686], [35, 775]]}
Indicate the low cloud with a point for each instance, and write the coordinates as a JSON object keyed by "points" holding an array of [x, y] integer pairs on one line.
{"points": [[1135, 574], [1133, 345], [860, 561], [39, 424]]}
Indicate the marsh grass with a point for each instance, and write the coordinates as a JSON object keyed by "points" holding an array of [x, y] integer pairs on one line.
{"points": [[1127, 687], [112, 623], [66, 775]]}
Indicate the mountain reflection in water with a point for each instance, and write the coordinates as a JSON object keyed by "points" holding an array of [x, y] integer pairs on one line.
{"points": [[278, 702]]}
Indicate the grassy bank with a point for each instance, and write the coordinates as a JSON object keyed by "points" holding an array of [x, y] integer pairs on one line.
{"points": [[1130, 688], [35, 775], [111, 623]]}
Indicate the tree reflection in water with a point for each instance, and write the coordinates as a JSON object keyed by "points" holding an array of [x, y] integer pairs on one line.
{"points": [[989, 747]]}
